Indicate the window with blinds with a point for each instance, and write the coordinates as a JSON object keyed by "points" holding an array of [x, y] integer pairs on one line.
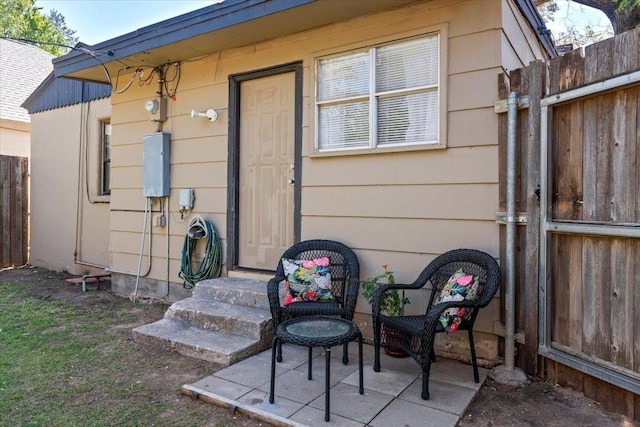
{"points": [[105, 143], [384, 96]]}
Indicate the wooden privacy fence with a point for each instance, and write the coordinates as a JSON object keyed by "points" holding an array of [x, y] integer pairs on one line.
{"points": [[578, 297], [14, 210]]}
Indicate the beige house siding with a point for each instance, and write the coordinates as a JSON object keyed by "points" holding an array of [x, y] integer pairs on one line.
{"points": [[518, 42], [61, 212], [400, 208], [14, 138]]}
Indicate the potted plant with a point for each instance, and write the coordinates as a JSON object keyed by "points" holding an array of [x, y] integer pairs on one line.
{"points": [[392, 302]]}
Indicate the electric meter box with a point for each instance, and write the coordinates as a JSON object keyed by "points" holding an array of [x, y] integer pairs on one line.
{"points": [[155, 164]]}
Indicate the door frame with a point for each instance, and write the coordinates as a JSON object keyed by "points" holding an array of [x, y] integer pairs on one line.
{"points": [[233, 169]]}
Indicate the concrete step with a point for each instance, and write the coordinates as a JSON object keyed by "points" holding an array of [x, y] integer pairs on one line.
{"points": [[215, 346], [234, 290], [214, 315], [224, 321]]}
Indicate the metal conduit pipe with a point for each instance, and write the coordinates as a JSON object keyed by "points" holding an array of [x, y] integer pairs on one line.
{"points": [[167, 243], [147, 209], [92, 276], [133, 273], [83, 144], [508, 373], [509, 267]]}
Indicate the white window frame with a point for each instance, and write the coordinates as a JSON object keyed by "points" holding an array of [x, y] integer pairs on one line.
{"points": [[372, 97]]}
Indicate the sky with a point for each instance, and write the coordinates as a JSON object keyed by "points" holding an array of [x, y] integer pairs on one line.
{"points": [[96, 21], [572, 13]]}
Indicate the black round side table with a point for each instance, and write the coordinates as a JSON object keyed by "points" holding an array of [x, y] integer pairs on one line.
{"points": [[316, 331]]}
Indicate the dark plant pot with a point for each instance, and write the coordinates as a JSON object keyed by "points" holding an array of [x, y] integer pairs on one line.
{"points": [[394, 336], [394, 351]]}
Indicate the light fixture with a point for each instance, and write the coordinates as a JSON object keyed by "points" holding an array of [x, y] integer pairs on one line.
{"points": [[210, 114]]}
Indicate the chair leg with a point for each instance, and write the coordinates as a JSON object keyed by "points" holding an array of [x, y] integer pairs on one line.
{"points": [[279, 355], [433, 353], [345, 354], [361, 376], [376, 358], [476, 377], [376, 344], [274, 346], [425, 381], [376, 354]]}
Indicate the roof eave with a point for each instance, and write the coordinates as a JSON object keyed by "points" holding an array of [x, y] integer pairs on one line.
{"points": [[221, 26], [530, 12], [230, 24], [38, 91], [192, 24]]}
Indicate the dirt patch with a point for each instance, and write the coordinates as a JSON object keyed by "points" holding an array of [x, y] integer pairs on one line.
{"points": [[538, 403]]}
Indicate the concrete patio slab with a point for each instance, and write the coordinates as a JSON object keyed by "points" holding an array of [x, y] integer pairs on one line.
{"points": [[309, 417], [446, 397], [348, 403], [391, 397], [403, 413]]}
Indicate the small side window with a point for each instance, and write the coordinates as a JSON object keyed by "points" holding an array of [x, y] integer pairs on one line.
{"points": [[106, 157]]}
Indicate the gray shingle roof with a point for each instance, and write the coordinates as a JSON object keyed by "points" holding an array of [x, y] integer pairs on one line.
{"points": [[22, 68]]}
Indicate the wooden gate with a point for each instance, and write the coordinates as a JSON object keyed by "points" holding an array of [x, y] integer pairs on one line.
{"points": [[14, 211], [579, 184]]}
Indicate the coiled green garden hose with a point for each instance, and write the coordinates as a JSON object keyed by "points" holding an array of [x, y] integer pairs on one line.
{"points": [[211, 264]]}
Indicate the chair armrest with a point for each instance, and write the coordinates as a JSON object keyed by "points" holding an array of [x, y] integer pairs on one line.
{"points": [[353, 289], [377, 295], [436, 310], [273, 291]]}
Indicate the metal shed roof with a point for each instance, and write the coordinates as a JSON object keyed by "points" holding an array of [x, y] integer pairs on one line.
{"points": [[61, 92]]}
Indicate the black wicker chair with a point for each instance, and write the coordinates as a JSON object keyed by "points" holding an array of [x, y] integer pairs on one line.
{"points": [[416, 334], [345, 280]]}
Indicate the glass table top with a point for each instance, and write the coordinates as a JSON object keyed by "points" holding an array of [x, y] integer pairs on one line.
{"points": [[319, 328]]}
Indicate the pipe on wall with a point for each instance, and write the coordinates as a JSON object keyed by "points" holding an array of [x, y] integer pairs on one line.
{"points": [[147, 210], [509, 267]]}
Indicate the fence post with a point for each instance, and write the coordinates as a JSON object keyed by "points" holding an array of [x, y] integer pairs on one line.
{"points": [[536, 74], [14, 211]]}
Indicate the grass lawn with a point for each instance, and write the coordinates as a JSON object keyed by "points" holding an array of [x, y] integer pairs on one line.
{"points": [[67, 359]]}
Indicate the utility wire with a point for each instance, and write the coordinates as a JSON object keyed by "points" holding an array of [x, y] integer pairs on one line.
{"points": [[138, 73]]}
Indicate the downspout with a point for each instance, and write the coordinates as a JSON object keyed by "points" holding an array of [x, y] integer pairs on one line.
{"points": [[507, 373]]}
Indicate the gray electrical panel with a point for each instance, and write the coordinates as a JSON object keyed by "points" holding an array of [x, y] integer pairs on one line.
{"points": [[155, 164]]}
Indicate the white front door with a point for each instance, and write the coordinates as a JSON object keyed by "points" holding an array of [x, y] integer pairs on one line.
{"points": [[266, 170]]}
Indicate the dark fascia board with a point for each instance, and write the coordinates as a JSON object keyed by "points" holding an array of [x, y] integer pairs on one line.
{"points": [[530, 12], [195, 23]]}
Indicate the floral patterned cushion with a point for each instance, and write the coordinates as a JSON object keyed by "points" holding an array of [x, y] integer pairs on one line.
{"points": [[307, 280], [459, 287]]}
